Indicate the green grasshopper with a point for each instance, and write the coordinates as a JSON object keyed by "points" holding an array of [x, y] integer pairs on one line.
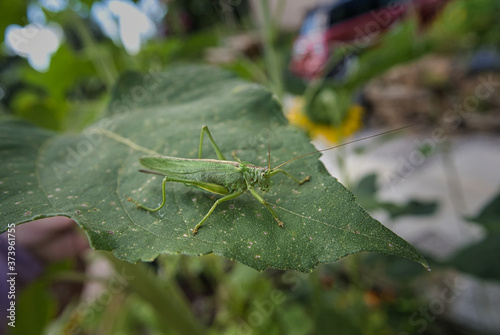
{"points": [[220, 176], [227, 178]]}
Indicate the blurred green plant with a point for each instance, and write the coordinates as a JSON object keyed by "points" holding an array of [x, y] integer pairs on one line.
{"points": [[73, 92], [462, 26], [366, 193], [366, 294], [209, 294], [479, 259]]}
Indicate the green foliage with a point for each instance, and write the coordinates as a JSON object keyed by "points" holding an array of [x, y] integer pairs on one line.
{"points": [[44, 111], [68, 68], [399, 45], [37, 301], [227, 297], [462, 25], [66, 97], [412, 207], [481, 259], [165, 298], [12, 13], [63, 97], [86, 177], [177, 49], [489, 216], [328, 105], [467, 24], [36, 304]]}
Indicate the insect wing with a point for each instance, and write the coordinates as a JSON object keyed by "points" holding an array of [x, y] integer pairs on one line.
{"points": [[205, 170]]}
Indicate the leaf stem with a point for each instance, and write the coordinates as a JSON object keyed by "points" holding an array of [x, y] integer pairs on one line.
{"points": [[166, 299], [273, 65], [126, 141], [102, 61]]}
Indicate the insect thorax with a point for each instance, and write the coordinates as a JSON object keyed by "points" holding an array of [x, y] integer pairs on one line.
{"points": [[257, 176]]}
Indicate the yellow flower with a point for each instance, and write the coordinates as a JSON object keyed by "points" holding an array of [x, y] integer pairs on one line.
{"points": [[352, 123]]}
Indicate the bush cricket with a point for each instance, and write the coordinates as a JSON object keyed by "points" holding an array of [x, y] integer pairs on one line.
{"points": [[220, 176]]}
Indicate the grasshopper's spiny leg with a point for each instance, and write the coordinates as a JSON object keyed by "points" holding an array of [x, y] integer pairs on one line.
{"points": [[139, 205], [262, 201], [221, 200], [300, 182], [214, 145]]}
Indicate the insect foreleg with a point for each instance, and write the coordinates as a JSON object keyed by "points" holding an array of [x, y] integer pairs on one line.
{"points": [[139, 205], [262, 201], [216, 148], [300, 182], [221, 200]]}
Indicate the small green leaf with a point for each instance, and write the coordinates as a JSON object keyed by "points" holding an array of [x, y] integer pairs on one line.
{"points": [[366, 190], [486, 250], [489, 216], [412, 207], [86, 177], [467, 259]]}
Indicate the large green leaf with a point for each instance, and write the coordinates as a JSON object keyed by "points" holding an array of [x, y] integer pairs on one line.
{"points": [[86, 177], [489, 216]]}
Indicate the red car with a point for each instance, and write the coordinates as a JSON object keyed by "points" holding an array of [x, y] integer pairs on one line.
{"points": [[355, 22]]}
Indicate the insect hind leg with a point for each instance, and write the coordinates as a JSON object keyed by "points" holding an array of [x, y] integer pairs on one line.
{"points": [[139, 205], [220, 155]]}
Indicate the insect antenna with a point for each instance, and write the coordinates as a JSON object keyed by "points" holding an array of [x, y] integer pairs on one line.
{"points": [[269, 158], [346, 143]]}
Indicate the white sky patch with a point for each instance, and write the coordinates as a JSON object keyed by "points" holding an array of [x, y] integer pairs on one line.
{"points": [[101, 14], [54, 5], [124, 21], [35, 14], [37, 43], [154, 9], [121, 20]]}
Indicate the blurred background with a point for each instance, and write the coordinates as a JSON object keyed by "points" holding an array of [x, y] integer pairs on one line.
{"points": [[343, 69]]}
